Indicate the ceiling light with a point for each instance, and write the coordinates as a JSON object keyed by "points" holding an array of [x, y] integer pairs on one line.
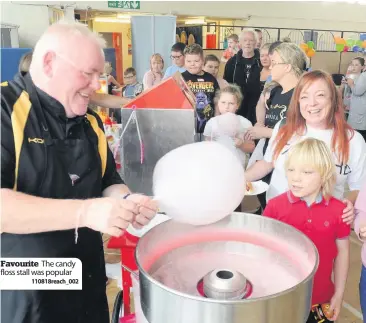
{"points": [[101, 19], [195, 22], [122, 16]]}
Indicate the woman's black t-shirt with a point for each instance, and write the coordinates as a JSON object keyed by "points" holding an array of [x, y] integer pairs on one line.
{"points": [[263, 83], [278, 104]]}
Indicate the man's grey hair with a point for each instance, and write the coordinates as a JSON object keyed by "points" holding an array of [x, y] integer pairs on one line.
{"points": [[249, 31], [63, 29], [77, 28]]}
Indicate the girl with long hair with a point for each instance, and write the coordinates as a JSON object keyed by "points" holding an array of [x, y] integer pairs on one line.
{"points": [[155, 74]]}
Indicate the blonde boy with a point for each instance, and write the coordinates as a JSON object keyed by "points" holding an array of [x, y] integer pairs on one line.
{"points": [[310, 207]]}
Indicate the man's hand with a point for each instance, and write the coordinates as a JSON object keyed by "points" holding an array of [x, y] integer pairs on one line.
{"points": [[349, 212], [108, 215], [147, 209]]}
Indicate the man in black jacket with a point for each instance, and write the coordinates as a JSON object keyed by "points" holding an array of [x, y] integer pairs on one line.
{"points": [[244, 69], [59, 185]]}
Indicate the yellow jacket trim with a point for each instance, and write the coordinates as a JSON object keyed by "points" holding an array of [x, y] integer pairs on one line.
{"points": [[19, 118], [102, 141]]}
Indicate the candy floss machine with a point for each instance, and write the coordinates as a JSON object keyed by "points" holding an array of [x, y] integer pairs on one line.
{"points": [[163, 119], [243, 269]]}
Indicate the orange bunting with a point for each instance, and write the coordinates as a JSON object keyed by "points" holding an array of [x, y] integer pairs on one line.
{"points": [[310, 52], [304, 47]]}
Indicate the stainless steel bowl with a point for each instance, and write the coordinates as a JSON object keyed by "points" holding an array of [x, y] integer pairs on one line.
{"points": [[278, 261]]}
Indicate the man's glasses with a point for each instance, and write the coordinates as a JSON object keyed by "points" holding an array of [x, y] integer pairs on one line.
{"points": [[89, 75], [175, 57], [129, 77]]}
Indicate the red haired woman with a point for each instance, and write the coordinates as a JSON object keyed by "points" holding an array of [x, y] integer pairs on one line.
{"points": [[316, 111]]}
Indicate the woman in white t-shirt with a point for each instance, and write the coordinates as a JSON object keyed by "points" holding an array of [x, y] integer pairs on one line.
{"points": [[316, 111], [227, 127]]}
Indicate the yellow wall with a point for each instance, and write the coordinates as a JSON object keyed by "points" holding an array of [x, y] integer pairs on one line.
{"points": [[111, 27]]}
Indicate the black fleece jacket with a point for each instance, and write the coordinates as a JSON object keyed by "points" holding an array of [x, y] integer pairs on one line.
{"points": [[249, 81]]}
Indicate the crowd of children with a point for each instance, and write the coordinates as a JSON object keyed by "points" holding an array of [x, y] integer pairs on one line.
{"points": [[308, 204]]}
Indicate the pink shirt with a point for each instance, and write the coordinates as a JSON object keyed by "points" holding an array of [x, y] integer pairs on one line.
{"points": [[360, 220], [151, 79]]}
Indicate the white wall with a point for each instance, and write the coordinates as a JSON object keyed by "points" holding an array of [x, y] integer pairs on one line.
{"points": [[69, 14], [32, 21], [294, 14]]}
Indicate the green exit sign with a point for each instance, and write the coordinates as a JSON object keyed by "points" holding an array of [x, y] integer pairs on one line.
{"points": [[124, 4]]}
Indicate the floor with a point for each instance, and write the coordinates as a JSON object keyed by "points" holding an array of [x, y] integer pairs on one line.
{"points": [[351, 312]]}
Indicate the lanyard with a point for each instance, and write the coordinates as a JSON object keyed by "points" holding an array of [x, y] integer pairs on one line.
{"points": [[132, 118]]}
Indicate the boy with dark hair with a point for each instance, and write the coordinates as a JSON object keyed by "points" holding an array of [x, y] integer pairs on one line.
{"points": [[177, 56], [132, 88], [202, 84], [212, 66]]}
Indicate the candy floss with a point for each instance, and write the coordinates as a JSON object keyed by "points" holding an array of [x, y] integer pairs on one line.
{"points": [[242, 269]]}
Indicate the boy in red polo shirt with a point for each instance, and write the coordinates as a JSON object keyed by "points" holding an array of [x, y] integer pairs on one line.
{"points": [[310, 207]]}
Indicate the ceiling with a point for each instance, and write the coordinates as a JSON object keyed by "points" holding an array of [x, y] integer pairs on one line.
{"points": [[91, 14]]}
